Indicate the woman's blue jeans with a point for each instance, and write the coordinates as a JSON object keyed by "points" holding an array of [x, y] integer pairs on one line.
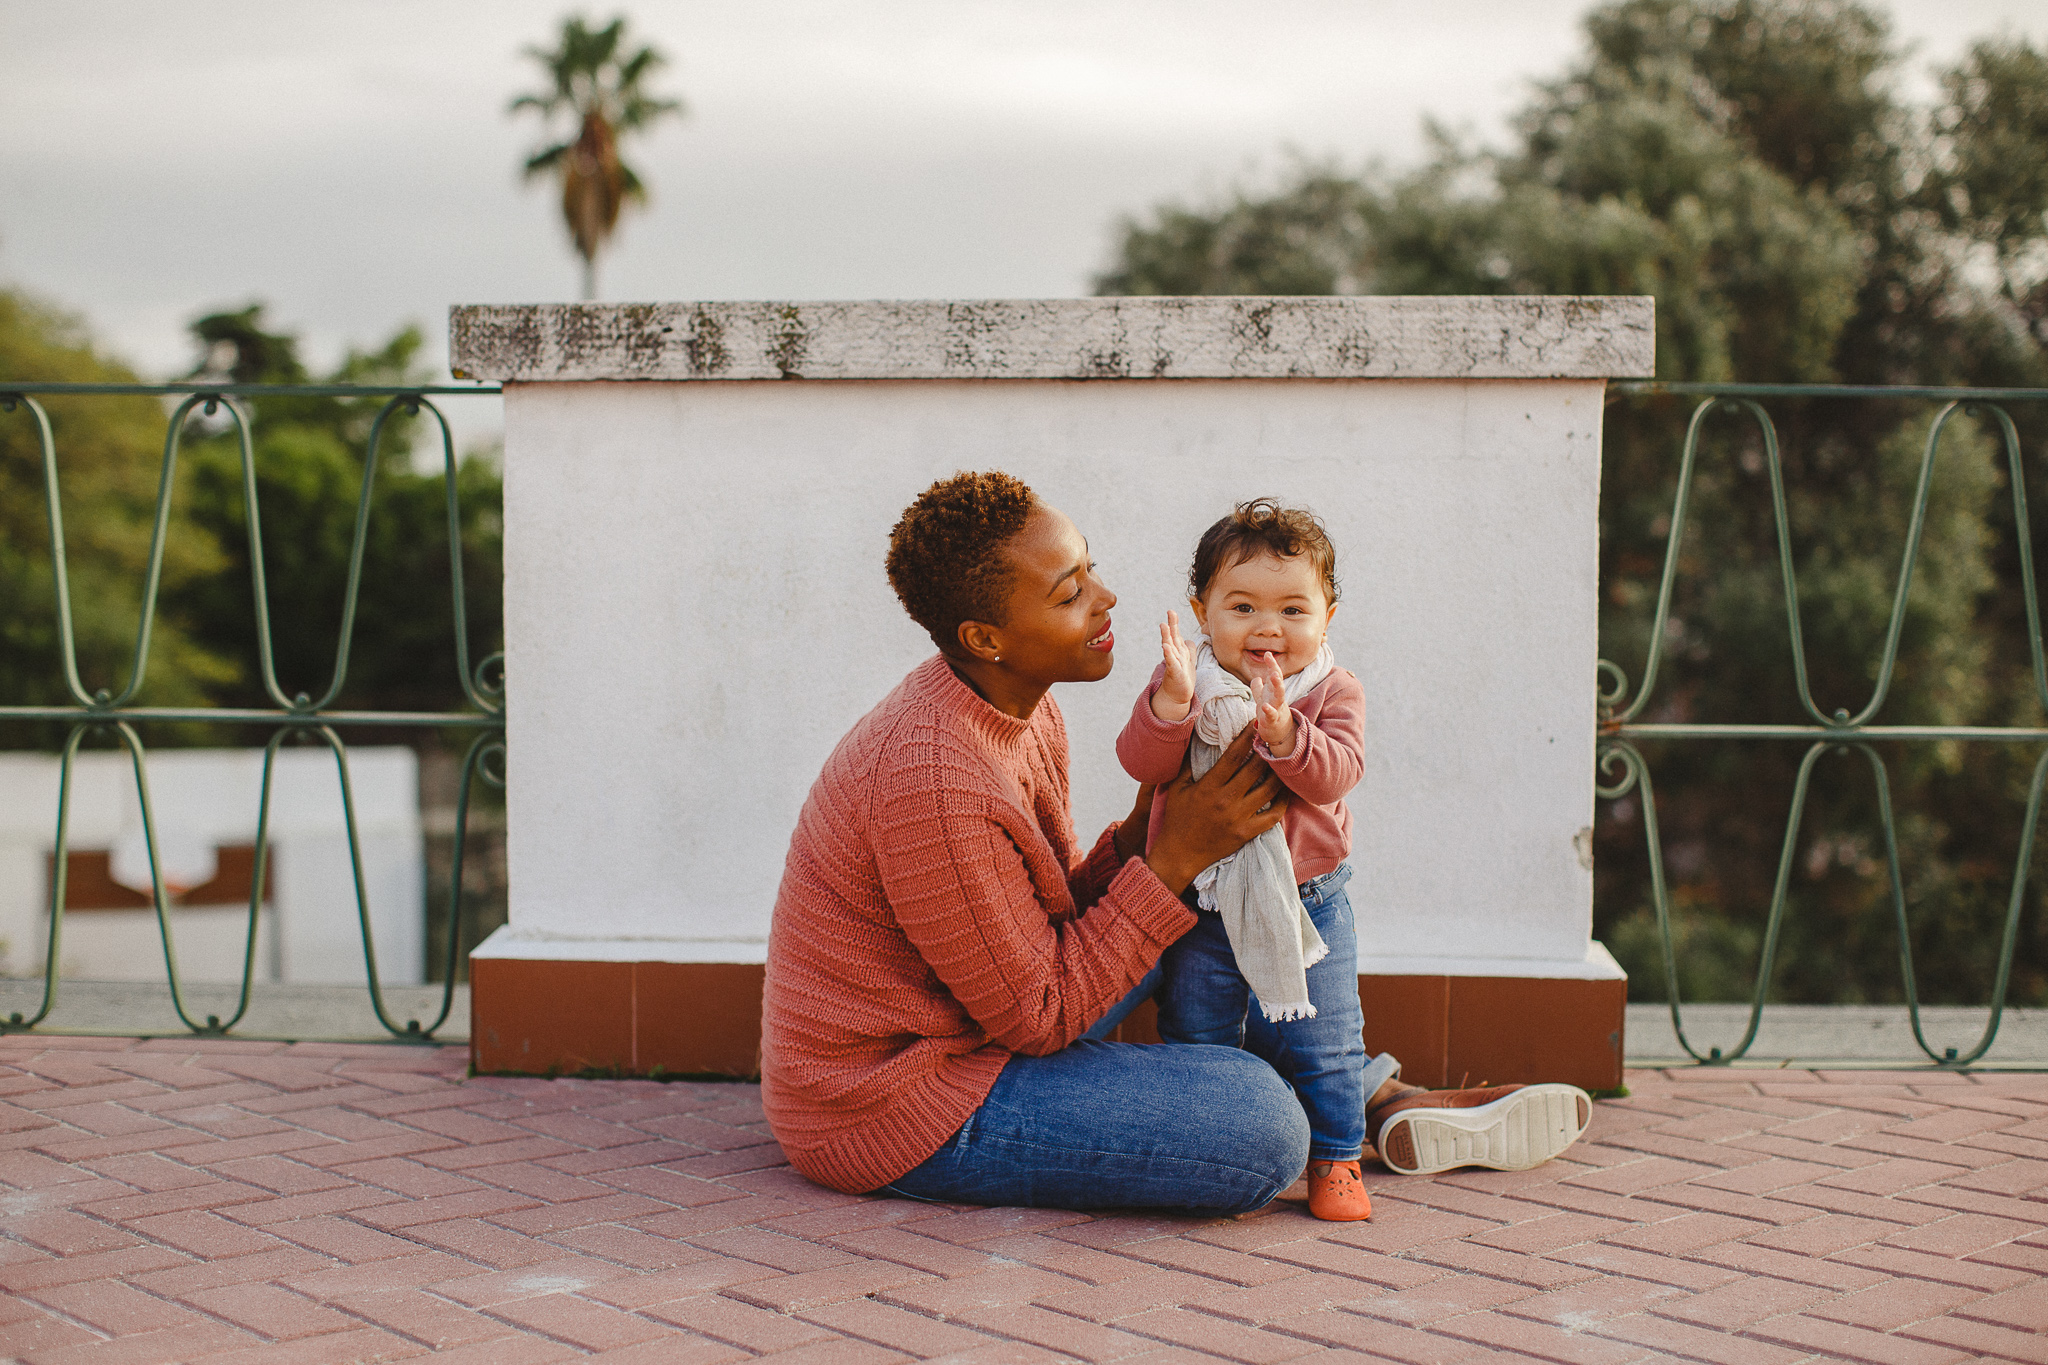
{"points": [[1205, 1130]]}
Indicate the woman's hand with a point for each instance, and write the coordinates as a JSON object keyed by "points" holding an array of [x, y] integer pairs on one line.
{"points": [[1176, 691], [1232, 804], [1130, 834], [1274, 717]]}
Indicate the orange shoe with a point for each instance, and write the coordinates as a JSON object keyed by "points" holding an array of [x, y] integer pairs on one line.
{"points": [[1335, 1192]]}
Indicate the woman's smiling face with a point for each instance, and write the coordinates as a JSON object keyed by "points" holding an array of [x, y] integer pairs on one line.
{"points": [[1267, 605], [1056, 622]]}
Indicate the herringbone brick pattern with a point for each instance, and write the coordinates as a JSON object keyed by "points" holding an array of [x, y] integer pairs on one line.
{"points": [[224, 1201]]}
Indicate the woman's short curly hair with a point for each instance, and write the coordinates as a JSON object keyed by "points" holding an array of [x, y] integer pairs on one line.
{"points": [[1263, 526], [946, 558]]}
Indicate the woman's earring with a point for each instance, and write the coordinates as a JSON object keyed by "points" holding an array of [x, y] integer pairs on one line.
{"points": [[999, 658]]}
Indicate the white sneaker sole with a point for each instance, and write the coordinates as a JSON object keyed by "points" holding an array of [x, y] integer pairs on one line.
{"points": [[1514, 1133]]}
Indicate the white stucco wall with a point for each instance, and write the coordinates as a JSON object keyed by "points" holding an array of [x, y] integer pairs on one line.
{"points": [[696, 611]]}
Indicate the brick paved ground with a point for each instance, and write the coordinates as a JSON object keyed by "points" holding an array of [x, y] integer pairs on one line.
{"points": [[222, 1201]]}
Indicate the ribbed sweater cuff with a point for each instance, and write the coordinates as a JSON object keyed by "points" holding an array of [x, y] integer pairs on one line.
{"points": [[1091, 879], [1140, 894]]}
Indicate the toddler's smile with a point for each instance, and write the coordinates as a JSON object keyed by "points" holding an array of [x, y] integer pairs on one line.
{"points": [[1267, 608]]}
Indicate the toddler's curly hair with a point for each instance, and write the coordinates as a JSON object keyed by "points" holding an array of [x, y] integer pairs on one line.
{"points": [[946, 558], [1263, 525]]}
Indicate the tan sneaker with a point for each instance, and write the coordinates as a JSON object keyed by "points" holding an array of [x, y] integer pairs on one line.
{"points": [[1504, 1127]]}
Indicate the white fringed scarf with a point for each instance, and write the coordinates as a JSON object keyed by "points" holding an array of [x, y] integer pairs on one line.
{"points": [[1270, 932]]}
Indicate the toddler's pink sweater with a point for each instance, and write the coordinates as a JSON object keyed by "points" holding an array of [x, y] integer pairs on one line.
{"points": [[1327, 761], [935, 918]]}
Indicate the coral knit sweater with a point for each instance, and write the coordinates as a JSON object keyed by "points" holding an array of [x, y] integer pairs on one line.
{"points": [[934, 918]]}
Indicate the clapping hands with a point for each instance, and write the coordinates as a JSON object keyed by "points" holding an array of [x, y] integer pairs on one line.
{"points": [[1274, 717], [1176, 691]]}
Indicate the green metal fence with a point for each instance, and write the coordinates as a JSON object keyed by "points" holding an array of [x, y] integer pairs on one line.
{"points": [[1621, 762], [1624, 769], [299, 716]]}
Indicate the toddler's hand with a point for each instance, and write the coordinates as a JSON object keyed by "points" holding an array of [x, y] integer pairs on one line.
{"points": [[1275, 718], [1177, 689]]}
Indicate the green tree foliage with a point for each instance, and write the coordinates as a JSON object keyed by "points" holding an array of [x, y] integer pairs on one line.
{"points": [[597, 82], [109, 454], [309, 477], [309, 454], [1311, 239], [1750, 165], [1992, 183]]}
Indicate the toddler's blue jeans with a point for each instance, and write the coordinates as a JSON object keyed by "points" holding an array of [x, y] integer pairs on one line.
{"points": [[1204, 999]]}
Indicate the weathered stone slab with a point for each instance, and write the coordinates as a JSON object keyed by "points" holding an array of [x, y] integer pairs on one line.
{"points": [[1375, 337]]}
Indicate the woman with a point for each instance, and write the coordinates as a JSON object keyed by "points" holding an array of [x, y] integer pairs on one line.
{"points": [[944, 960]]}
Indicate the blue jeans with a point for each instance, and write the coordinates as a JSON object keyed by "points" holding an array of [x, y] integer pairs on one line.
{"points": [[1200, 1130], [1204, 999]]}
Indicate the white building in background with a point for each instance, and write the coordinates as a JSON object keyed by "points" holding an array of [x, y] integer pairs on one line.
{"points": [[204, 803]]}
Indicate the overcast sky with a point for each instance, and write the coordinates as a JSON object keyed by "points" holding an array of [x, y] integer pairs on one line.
{"points": [[353, 165]]}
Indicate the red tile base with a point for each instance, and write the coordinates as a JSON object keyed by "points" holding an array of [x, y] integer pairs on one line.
{"points": [[556, 1018], [1482, 1030], [684, 1018]]}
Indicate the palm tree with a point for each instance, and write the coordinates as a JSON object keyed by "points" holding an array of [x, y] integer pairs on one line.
{"points": [[601, 89]]}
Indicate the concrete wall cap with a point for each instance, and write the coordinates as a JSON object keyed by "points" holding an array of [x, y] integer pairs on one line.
{"points": [[1494, 336]]}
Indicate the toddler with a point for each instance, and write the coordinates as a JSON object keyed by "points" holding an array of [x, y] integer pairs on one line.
{"points": [[1277, 927]]}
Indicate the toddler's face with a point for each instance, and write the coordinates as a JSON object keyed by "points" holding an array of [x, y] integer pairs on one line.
{"points": [[1265, 606]]}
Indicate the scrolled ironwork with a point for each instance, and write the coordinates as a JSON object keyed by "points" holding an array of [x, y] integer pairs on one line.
{"points": [[298, 716], [1613, 754], [1624, 771]]}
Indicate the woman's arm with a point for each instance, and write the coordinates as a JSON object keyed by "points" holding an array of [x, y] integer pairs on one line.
{"points": [[975, 888], [1120, 843]]}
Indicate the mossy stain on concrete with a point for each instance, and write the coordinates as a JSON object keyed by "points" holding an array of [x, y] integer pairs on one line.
{"points": [[792, 342], [705, 344]]}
